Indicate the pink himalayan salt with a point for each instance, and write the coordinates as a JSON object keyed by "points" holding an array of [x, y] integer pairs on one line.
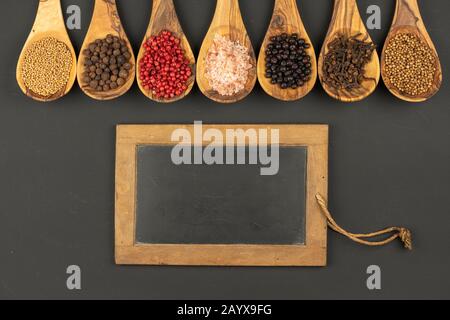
{"points": [[227, 66]]}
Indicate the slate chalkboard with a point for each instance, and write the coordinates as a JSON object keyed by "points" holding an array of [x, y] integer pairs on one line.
{"points": [[261, 213], [219, 204]]}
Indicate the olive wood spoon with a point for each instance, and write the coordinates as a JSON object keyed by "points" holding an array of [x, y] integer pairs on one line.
{"points": [[105, 20], [286, 19], [407, 19], [164, 17], [227, 22], [346, 20], [49, 22]]}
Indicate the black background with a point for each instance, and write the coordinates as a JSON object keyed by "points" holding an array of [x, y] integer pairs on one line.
{"points": [[388, 165]]}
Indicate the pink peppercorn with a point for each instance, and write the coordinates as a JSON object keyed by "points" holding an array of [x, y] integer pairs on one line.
{"points": [[164, 69]]}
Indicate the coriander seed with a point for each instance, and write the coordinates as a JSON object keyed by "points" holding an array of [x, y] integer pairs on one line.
{"points": [[409, 64]]}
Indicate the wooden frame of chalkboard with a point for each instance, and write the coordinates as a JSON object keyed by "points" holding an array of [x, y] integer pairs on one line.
{"points": [[129, 252]]}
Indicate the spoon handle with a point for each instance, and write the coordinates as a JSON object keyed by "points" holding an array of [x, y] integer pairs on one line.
{"points": [[228, 13], [164, 16], [286, 4], [161, 8], [105, 11], [285, 11], [339, 4], [345, 15], [344, 6], [48, 15], [407, 13]]}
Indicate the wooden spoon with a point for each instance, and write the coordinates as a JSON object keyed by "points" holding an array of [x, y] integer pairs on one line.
{"points": [[227, 22], [105, 20], [286, 19], [407, 19], [347, 21], [164, 17], [49, 22]]}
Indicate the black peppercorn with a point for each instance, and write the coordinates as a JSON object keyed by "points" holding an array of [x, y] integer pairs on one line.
{"points": [[287, 63]]}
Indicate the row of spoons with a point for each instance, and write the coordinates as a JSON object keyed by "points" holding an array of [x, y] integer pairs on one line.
{"points": [[228, 22]]}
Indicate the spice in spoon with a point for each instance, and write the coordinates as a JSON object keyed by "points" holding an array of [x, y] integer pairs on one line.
{"points": [[344, 63], [409, 64], [107, 64], [288, 64], [46, 67], [227, 66], [164, 69]]}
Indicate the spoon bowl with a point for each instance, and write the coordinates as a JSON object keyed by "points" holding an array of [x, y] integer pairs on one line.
{"points": [[407, 19], [105, 21], [49, 22], [286, 19], [347, 21], [228, 23], [164, 17]]}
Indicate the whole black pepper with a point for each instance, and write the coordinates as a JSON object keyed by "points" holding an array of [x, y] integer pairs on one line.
{"points": [[287, 62], [106, 64]]}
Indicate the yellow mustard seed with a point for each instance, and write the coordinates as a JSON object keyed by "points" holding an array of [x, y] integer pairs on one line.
{"points": [[46, 66]]}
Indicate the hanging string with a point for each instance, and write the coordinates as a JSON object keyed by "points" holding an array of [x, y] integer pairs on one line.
{"points": [[397, 232]]}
